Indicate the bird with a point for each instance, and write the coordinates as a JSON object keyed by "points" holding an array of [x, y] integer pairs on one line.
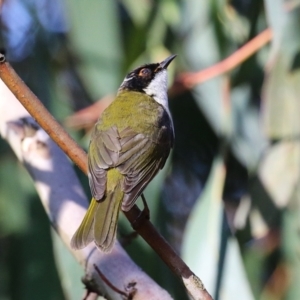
{"points": [[129, 144]]}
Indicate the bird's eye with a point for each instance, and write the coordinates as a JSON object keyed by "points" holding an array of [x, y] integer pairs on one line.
{"points": [[145, 72]]}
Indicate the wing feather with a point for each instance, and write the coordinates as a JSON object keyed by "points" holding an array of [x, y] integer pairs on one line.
{"points": [[103, 154]]}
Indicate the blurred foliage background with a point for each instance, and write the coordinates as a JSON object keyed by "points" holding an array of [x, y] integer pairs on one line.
{"points": [[228, 199]]}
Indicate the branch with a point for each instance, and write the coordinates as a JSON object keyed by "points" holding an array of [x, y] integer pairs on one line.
{"points": [[87, 117], [193, 284], [190, 79], [36, 109]]}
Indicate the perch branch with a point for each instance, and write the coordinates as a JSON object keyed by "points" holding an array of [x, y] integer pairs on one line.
{"points": [[36, 109], [189, 79]]}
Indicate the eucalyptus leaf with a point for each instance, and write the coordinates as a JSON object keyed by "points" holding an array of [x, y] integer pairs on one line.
{"points": [[280, 115], [201, 241], [291, 244], [201, 246], [69, 270], [138, 13], [202, 50], [279, 171], [235, 282], [248, 141], [95, 41], [276, 15]]}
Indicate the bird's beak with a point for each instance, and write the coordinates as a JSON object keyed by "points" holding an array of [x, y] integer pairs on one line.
{"points": [[165, 63]]}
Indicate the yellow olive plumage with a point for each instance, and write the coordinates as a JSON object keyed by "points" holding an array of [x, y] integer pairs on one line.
{"points": [[129, 145]]}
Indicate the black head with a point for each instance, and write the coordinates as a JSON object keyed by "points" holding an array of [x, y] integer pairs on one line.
{"points": [[140, 78]]}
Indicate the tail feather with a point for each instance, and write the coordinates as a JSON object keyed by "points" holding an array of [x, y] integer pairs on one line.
{"points": [[100, 222], [85, 233], [106, 220]]}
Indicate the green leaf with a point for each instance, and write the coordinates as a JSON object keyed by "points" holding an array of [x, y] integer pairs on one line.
{"points": [[202, 239], [96, 43], [234, 275], [14, 197], [276, 15], [291, 244], [282, 159], [201, 49], [138, 13], [70, 272], [248, 140], [281, 88], [280, 114]]}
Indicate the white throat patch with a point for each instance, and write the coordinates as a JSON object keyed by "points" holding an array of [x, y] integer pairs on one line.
{"points": [[158, 89]]}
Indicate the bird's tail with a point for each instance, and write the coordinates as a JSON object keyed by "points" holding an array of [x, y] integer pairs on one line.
{"points": [[100, 222], [106, 220]]}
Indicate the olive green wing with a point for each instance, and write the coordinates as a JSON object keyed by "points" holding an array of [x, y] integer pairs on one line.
{"points": [[103, 154], [140, 159]]}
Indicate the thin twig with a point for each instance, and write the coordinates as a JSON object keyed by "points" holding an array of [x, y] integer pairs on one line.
{"points": [[104, 279], [78, 156], [189, 80]]}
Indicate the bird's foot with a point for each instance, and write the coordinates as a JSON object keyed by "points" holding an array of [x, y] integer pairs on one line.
{"points": [[144, 215]]}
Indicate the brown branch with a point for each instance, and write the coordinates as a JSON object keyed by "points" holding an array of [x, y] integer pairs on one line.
{"points": [[87, 117], [189, 80], [78, 156], [159, 244], [34, 106]]}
